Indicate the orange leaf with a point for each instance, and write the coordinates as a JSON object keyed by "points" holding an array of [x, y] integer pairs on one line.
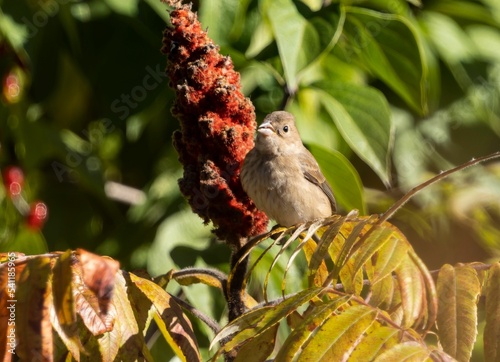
{"points": [[93, 284], [32, 319], [98, 275]]}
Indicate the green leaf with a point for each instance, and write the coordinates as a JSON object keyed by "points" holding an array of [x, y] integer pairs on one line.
{"points": [[302, 333], [475, 12], [492, 328], [28, 241], [223, 19], [362, 116], [339, 334], [448, 38], [342, 176], [258, 321], [377, 341], [301, 40], [458, 291], [390, 47], [124, 7]]}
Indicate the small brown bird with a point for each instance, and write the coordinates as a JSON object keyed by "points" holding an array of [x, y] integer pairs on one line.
{"points": [[282, 177]]}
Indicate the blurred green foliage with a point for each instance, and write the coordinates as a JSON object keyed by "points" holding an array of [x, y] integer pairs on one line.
{"points": [[399, 90]]}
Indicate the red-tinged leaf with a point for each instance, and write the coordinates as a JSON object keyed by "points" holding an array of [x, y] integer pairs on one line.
{"points": [[98, 275], [174, 325], [88, 307], [32, 318], [339, 335], [430, 300], [438, 355], [491, 335], [303, 332], [258, 348], [458, 291], [412, 289], [62, 293], [406, 352]]}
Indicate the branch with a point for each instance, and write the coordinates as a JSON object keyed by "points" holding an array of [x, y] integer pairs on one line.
{"points": [[401, 202], [213, 325]]}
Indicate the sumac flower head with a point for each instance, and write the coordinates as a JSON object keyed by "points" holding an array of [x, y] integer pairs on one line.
{"points": [[217, 128]]}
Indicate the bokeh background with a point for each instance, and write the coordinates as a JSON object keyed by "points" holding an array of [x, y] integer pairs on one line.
{"points": [[85, 124]]}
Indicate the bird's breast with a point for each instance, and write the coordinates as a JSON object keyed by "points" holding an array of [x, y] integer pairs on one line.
{"points": [[278, 187]]}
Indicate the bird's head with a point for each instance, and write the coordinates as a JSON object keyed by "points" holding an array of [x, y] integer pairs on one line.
{"points": [[278, 134]]}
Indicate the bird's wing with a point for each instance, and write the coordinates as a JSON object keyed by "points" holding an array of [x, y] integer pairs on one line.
{"points": [[312, 173]]}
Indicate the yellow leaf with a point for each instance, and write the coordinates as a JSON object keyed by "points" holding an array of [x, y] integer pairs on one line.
{"points": [[62, 289], [174, 325], [458, 291]]}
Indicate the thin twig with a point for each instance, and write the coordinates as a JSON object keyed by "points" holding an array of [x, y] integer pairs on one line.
{"points": [[22, 259], [476, 267], [402, 201], [213, 325]]}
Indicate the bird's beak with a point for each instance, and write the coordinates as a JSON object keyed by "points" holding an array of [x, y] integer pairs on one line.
{"points": [[266, 129]]}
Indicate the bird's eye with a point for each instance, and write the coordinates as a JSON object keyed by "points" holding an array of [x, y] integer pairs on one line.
{"points": [[285, 129]]}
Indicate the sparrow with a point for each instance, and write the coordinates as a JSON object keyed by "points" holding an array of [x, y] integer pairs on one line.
{"points": [[282, 177]]}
